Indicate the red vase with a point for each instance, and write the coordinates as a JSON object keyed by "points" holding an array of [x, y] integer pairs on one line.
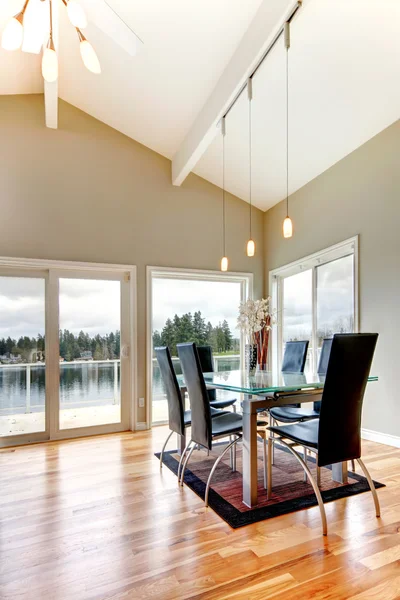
{"points": [[262, 340]]}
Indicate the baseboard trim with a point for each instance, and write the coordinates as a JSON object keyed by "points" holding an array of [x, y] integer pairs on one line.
{"points": [[381, 438], [141, 426]]}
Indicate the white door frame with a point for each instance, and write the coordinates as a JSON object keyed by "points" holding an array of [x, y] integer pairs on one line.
{"points": [[52, 270], [246, 291]]}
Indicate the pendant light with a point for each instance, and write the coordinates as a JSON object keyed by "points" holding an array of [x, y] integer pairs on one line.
{"points": [[49, 59], [88, 54], [224, 259], [251, 247], [14, 31], [287, 223]]}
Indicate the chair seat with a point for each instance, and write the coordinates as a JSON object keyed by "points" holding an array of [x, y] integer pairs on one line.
{"points": [[227, 423], [291, 414], [305, 434], [222, 403], [214, 414]]}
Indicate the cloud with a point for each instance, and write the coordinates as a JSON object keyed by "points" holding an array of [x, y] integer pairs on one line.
{"points": [[216, 300]]}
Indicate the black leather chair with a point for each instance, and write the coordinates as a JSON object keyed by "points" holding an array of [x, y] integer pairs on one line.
{"points": [[204, 429], [178, 418], [293, 414], [207, 366], [336, 436]]}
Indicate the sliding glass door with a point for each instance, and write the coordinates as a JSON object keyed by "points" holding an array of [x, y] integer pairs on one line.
{"points": [[65, 353], [22, 354]]}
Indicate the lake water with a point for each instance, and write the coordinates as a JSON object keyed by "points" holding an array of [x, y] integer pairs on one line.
{"points": [[81, 384]]}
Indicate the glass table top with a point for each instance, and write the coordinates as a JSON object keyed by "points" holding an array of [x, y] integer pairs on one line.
{"points": [[262, 382]]}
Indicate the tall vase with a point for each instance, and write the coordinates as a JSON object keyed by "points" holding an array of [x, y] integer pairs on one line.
{"points": [[262, 339], [250, 358]]}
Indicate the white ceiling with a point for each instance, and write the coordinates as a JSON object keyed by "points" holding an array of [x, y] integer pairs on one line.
{"points": [[344, 78], [344, 83], [155, 96]]}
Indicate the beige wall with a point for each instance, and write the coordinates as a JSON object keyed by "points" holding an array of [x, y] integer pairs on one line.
{"points": [[358, 195], [85, 192]]}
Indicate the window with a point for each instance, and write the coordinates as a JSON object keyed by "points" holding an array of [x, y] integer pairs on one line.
{"points": [[184, 306], [316, 297]]}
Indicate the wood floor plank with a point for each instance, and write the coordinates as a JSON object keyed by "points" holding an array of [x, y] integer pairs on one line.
{"points": [[94, 519]]}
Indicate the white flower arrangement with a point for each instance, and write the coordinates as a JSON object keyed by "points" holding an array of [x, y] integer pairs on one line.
{"points": [[255, 316]]}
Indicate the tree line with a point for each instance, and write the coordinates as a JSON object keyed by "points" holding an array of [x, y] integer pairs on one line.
{"points": [[193, 328], [72, 347]]}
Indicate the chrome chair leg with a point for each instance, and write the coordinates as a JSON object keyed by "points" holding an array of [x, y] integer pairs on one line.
{"points": [[186, 462], [305, 460], [372, 487], [215, 465], [163, 448], [265, 460], [234, 457], [234, 408], [353, 465], [231, 453], [182, 459], [313, 483], [271, 424], [318, 476], [269, 467]]}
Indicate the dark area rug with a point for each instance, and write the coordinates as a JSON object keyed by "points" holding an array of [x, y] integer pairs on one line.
{"points": [[289, 493]]}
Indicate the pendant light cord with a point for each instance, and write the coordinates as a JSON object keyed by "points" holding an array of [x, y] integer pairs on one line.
{"points": [[287, 131], [51, 20], [250, 169], [223, 193]]}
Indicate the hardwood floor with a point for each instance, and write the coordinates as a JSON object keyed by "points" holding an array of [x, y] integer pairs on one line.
{"points": [[93, 519]]}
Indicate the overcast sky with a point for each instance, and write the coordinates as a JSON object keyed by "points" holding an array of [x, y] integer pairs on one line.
{"points": [[334, 298], [216, 301], [88, 305]]}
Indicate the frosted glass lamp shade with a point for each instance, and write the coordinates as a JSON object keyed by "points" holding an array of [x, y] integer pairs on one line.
{"points": [[76, 14], [50, 65], [89, 57], [251, 248], [12, 35], [287, 228], [224, 264]]}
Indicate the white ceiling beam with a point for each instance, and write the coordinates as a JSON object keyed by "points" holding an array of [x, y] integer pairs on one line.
{"points": [[51, 89], [255, 42]]}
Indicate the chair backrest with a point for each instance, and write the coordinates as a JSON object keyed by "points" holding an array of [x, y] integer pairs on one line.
{"points": [[207, 366], [350, 360], [198, 396], [294, 357], [324, 356], [323, 364], [172, 390], [206, 358]]}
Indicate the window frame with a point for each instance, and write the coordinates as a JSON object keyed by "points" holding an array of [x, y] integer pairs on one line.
{"points": [[246, 291], [312, 261]]}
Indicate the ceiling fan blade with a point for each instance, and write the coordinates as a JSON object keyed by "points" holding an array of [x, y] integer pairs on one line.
{"points": [[36, 26], [105, 18]]}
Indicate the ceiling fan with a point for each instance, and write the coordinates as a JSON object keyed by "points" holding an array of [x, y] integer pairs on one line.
{"points": [[33, 28]]}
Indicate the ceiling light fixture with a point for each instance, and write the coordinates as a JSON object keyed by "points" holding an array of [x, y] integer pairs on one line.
{"points": [[251, 247], [14, 31], [287, 223], [49, 59], [224, 259], [13, 34]]}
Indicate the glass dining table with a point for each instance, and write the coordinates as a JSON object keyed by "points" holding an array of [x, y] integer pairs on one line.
{"points": [[264, 390]]}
